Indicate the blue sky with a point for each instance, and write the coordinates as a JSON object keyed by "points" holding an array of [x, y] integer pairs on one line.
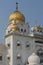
{"points": [[32, 10]]}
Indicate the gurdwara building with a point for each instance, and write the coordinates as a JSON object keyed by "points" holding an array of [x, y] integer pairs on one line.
{"points": [[23, 44]]}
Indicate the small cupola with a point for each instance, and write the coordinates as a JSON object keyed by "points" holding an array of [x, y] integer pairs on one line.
{"points": [[34, 59]]}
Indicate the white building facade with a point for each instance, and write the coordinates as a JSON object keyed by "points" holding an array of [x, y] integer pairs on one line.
{"points": [[21, 40]]}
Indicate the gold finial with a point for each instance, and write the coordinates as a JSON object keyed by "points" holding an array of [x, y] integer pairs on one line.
{"points": [[16, 5]]}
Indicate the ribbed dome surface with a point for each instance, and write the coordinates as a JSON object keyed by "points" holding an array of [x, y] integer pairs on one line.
{"points": [[14, 27], [17, 16]]}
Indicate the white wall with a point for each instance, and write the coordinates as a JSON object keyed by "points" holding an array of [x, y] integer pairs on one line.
{"points": [[3, 52]]}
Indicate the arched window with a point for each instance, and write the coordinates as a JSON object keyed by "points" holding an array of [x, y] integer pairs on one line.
{"points": [[25, 30], [8, 45], [18, 59], [21, 30], [8, 57], [18, 43], [0, 57]]}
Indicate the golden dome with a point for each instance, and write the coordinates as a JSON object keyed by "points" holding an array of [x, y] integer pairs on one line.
{"points": [[17, 15], [36, 28], [14, 27]]}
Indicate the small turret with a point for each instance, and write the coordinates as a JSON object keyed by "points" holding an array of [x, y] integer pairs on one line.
{"points": [[34, 59]]}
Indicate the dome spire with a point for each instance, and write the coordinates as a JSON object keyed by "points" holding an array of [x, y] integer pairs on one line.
{"points": [[17, 15], [16, 6]]}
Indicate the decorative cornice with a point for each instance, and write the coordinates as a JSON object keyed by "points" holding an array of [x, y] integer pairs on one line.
{"points": [[19, 34]]}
